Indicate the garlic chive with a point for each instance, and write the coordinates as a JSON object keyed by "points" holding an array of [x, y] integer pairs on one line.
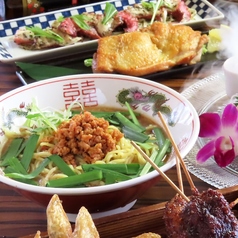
{"points": [[63, 167], [76, 180]]}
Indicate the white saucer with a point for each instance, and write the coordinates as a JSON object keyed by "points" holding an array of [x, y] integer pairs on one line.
{"points": [[72, 217]]}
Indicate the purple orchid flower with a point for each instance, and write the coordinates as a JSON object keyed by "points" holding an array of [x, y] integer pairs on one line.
{"points": [[223, 134]]}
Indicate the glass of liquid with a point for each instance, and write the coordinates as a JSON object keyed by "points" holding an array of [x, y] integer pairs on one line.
{"points": [[2, 10]]}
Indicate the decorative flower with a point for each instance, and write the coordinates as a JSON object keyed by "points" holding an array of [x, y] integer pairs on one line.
{"points": [[223, 134], [34, 7], [138, 95]]}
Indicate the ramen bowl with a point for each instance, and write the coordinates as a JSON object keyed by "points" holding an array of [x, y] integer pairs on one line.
{"points": [[103, 90]]}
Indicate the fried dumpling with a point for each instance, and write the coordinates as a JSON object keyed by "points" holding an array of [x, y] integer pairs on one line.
{"points": [[84, 225], [58, 225]]}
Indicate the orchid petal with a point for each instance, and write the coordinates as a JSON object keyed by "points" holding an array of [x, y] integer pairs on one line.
{"points": [[236, 128], [206, 152], [210, 124], [225, 152], [229, 116]]}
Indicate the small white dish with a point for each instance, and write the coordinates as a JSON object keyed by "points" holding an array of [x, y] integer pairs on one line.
{"points": [[230, 69], [10, 52]]}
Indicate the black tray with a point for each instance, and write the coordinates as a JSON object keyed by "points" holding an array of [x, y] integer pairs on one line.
{"points": [[76, 61]]}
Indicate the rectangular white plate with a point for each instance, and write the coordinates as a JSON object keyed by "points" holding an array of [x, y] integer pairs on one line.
{"points": [[10, 52]]}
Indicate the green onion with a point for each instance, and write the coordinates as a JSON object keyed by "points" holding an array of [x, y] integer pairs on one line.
{"points": [[146, 146], [126, 122], [45, 120], [63, 167], [159, 136], [109, 13], [80, 21], [148, 5], [204, 49], [28, 152], [15, 165], [60, 19], [27, 181], [109, 116], [162, 152], [133, 135], [102, 114], [13, 149], [112, 173], [132, 114], [75, 180], [45, 33], [147, 166], [88, 62], [8, 170], [128, 169], [111, 177], [155, 9], [33, 174], [156, 157]]}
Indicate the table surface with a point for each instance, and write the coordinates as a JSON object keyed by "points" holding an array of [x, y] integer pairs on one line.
{"points": [[20, 217]]}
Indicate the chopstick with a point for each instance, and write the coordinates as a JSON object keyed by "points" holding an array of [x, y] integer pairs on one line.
{"points": [[166, 178], [177, 152]]}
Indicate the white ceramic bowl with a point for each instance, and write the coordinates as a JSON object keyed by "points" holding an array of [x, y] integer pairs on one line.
{"points": [[110, 91]]}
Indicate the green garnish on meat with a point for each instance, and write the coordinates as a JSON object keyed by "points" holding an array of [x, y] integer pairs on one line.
{"points": [[80, 20], [45, 33], [109, 13]]}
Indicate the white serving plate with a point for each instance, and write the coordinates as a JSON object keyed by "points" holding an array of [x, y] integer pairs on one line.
{"points": [[11, 52]]}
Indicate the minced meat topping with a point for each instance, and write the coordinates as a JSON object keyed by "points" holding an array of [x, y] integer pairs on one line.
{"points": [[85, 136]]}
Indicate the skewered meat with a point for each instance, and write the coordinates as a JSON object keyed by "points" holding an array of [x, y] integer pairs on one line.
{"points": [[155, 48], [172, 217], [206, 215]]}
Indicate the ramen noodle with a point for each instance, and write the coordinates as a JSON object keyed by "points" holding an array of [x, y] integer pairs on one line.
{"points": [[81, 139]]}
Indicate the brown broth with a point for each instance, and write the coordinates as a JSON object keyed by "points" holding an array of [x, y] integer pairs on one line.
{"points": [[144, 120]]}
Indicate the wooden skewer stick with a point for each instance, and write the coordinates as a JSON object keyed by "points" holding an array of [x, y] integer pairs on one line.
{"points": [[232, 204], [179, 174], [177, 151], [166, 178]]}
